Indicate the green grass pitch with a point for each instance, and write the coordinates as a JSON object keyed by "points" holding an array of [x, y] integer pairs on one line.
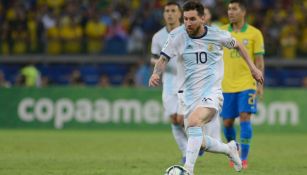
{"points": [[110, 152]]}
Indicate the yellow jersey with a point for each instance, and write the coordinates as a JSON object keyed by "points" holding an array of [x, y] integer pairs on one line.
{"points": [[237, 76]]}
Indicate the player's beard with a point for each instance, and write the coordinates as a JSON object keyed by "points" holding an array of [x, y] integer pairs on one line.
{"points": [[195, 32], [170, 20]]}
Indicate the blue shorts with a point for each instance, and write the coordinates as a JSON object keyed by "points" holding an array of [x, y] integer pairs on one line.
{"points": [[235, 103]]}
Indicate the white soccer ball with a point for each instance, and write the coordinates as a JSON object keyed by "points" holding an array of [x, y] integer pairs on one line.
{"points": [[176, 170]]}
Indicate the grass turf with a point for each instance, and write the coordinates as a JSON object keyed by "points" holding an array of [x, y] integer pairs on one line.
{"points": [[101, 152]]}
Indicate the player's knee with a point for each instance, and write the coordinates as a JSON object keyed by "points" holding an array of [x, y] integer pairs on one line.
{"points": [[177, 119], [194, 121], [228, 123], [180, 120], [173, 119], [244, 116]]}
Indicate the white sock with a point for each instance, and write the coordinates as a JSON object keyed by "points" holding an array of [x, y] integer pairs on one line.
{"points": [[180, 137], [195, 138], [215, 146]]}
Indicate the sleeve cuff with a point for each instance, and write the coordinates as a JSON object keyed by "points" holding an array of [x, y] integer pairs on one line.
{"points": [[155, 56], [164, 54], [259, 53]]}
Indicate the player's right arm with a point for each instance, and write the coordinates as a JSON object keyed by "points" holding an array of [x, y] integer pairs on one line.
{"points": [[168, 51], [154, 60], [155, 49], [160, 65], [166, 54]]}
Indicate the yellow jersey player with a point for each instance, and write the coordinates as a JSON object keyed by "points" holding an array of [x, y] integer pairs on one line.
{"points": [[239, 87]]}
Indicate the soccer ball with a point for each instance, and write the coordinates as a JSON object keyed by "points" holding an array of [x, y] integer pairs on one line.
{"points": [[176, 170]]}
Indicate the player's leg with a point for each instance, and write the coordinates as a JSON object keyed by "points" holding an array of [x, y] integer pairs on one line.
{"points": [[230, 149], [215, 144], [196, 139], [229, 113], [181, 120], [212, 129], [245, 136], [196, 120], [178, 131], [179, 134], [247, 107], [212, 141]]}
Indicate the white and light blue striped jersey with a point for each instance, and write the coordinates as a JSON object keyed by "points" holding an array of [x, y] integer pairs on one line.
{"points": [[202, 60], [169, 78]]}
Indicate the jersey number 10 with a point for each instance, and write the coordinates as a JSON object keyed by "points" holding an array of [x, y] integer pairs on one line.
{"points": [[201, 57]]}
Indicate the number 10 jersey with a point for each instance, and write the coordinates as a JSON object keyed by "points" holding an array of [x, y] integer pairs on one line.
{"points": [[201, 60]]}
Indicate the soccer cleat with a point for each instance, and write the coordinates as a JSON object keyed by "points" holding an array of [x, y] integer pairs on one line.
{"points": [[244, 164], [231, 164], [234, 155]]}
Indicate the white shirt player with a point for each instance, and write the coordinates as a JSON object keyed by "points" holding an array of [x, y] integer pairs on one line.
{"points": [[169, 78], [202, 63], [170, 74]]}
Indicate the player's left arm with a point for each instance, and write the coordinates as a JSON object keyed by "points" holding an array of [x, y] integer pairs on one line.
{"points": [[259, 62], [259, 51], [256, 73], [231, 43]]}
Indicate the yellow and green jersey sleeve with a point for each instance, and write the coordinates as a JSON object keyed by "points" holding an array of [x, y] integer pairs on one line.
{"points": [[237, 76]]}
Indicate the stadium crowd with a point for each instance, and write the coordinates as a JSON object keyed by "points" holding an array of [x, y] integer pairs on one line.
{"points": [[102, 26], [57, 27]]}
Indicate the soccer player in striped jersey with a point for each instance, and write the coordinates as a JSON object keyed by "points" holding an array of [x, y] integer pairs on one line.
{"points": [[201, 50], [239, 87], [213, 128], [172, 15]]}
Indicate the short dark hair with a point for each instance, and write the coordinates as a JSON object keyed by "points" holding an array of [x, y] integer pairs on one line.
{"points": [[242, 3], [194, 5], [173, 3]]}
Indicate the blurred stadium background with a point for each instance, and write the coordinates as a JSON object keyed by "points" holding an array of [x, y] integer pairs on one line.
{"points": [[68, 65]]}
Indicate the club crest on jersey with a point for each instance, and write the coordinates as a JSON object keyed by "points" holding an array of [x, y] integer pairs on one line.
{"points": [[210, 47], [245, 42]]}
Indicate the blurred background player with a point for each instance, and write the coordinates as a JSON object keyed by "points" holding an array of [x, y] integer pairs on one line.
{"points": [[172, 15], [239, 87], [29, 76], [207, 16]]}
